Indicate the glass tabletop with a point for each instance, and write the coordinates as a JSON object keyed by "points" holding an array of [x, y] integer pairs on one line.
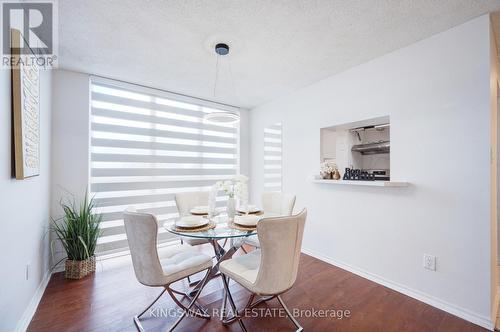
{"points": [[222, 229]]}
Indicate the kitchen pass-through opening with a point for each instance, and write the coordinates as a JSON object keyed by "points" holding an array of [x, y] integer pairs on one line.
{"points": [[360, 150]]}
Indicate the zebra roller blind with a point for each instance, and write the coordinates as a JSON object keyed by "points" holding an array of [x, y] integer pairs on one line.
{"points": [[272, 157], [147, 145]]}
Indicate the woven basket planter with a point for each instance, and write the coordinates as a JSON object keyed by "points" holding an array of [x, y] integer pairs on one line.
{"points": [[79, 269]]}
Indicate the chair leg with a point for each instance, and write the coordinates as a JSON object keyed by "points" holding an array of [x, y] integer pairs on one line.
{"points": [[250, 300], [192, 283], [136, 318], [204, 313], [262, 299], [189, 297], [193, 300], [233, 306], [289, 314], [244, 250], [249, 305]]}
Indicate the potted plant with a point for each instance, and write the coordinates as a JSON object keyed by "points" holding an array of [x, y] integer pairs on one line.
{"points": [[78, 231]]}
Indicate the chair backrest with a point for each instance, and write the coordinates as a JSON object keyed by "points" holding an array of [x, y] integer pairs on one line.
{"points": [[142, 232], [186, 201], [280, 242], [278, 203]]}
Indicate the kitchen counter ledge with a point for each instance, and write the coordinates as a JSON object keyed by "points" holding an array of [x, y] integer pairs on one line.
{"points": [[363, 183]]}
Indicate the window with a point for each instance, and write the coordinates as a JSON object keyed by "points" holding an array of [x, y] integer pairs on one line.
{"points": [[147, 145], [272, 157]]}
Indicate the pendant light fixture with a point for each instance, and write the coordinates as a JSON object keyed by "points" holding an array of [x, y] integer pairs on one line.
{"points": [[221, 49]]}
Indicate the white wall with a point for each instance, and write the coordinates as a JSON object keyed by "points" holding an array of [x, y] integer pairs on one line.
{"points": [[70, 136], [24, 206], [436, 93]]}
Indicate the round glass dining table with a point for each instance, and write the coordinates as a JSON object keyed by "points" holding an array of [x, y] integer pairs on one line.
{"points": [[223, 230]]}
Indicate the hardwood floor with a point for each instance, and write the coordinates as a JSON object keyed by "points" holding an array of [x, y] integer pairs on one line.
{"points": [[107, 300]]}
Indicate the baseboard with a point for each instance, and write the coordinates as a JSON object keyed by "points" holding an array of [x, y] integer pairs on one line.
{"points": [[466, 314], [58, 268], [29, 312]]}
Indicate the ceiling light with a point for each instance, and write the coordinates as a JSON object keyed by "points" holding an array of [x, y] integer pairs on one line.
{"points": [[222, 117]]}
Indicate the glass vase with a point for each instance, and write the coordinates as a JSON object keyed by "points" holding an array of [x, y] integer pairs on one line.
{"points": [[231, 208]]}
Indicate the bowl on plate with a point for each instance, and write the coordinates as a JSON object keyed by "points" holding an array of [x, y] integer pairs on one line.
{"points": [[199, 210], [247, 220], [191, 222]]}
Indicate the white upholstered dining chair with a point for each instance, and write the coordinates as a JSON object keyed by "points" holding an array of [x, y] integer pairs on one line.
{"points": [[278, 203], [187, 201], [275, 204], [176, 263], [271, 270]]}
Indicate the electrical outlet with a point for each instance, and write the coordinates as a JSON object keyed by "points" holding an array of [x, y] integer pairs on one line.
{"points": [[27, 272], [430, 262]]}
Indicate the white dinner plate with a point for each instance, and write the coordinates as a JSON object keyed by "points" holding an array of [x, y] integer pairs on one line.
{"points": [[203, 209], [191, 222], [247, 220], [249, 209]]}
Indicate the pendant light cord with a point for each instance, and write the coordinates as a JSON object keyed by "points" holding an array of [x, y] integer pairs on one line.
{"points": [[233, 86], [228, 64], [216, 73]]}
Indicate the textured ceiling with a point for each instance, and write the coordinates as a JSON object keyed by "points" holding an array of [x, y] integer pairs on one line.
{"points": [[276, 46]]}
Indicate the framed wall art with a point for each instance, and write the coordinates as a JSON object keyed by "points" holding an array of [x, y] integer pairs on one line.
{"points": [[26, 110]]}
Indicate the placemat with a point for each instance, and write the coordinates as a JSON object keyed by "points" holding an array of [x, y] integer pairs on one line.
{"points": [[208, 226], [199, 214], [256, 212]]}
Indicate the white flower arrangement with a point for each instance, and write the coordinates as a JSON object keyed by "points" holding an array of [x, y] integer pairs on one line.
{"points": [[327, 167], [235, 188]]}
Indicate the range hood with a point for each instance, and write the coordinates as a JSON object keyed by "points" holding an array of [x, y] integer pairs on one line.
{"points": [[373, 148]]}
